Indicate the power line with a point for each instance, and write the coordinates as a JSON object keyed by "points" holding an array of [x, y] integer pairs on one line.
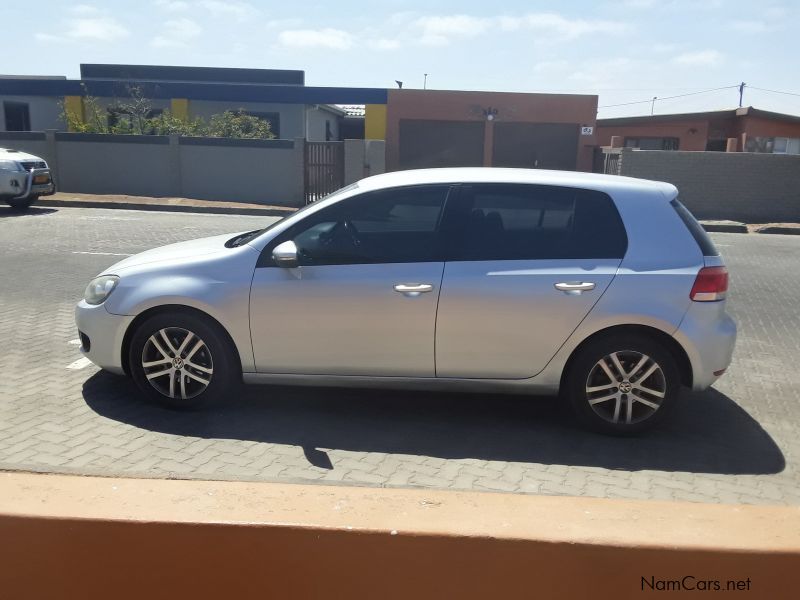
{"points": [[773, 91], [728, 87]]}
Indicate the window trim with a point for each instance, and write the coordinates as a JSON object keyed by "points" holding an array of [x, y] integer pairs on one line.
{"points": [[265, 259]]}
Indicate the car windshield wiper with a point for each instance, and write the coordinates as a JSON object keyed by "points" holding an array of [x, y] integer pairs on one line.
{"points": [[244, 238]]}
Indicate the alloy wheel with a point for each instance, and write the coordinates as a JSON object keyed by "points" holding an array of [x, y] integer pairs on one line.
{"points": [[177, 363], [626, 387]]}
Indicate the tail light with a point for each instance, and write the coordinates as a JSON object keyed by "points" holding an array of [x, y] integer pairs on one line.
{"points": [[710, 285]]}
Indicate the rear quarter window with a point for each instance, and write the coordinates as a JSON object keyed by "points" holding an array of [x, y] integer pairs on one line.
{"points": [[698, 233]]}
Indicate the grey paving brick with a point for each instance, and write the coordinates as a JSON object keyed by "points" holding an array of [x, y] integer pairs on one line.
{"points": [[739, 442]]}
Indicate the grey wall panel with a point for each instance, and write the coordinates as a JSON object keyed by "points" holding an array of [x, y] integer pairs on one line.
{"points": [[742, 186], [136, 169], [242, 174]]}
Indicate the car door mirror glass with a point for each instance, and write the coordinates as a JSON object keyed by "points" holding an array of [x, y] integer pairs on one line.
{"points": [[285, 255]]}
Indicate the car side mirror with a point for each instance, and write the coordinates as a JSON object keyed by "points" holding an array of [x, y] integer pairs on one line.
{"points": [[285, 255]]}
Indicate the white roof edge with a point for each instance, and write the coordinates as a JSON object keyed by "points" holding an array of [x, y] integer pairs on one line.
{"points": [[593, 181]]}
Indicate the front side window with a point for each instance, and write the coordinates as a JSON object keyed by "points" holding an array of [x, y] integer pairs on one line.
{"points": [[400, 225], [534, 222]]}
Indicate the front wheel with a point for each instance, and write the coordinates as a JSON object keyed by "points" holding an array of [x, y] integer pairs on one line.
{"points": [[23, 204], [622, 384], [182, 361]]}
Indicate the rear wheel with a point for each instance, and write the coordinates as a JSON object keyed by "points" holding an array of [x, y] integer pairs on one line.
{"points": [[22, 204], [182, 361], [622, 384]]}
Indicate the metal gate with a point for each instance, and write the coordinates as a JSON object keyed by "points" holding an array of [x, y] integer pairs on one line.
{"points": [[324, 169]]}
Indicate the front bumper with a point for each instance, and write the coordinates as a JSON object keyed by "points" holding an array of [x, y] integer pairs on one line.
{"points": [[104, 333], [708, 334], [20, 185]]}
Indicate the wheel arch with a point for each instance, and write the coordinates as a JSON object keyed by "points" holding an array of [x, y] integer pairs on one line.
{"points": [[174, 308], [667, 341]]}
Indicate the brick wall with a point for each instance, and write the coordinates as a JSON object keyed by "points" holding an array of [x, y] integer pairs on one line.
{"points": [[754, 188]]}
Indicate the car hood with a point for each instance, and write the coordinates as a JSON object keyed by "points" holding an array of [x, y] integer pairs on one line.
{"points": [[176, 252], [8, 154]]}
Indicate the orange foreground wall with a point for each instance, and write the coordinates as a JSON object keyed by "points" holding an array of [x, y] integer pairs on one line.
{"points": [[80, 537]]}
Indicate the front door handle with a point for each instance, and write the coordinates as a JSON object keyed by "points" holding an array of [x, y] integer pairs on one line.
{"points": [[574, 287], [413, 289]]}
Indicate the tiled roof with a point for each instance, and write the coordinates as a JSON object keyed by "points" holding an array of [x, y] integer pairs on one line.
{"points": [[352, 110]]}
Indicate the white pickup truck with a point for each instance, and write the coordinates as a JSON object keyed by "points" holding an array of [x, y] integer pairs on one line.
{"points": [[23, 178]]}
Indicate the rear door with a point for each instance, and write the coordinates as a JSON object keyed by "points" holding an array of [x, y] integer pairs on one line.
{"points": [[525, 264]]}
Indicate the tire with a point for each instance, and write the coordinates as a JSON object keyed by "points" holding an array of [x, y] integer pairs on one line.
{"points": [[207, 370], [22, 205], [636, 400]]}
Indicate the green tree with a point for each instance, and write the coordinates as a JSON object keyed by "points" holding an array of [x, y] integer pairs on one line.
{"points": [[94, 118], [168, 124], [135, 116], [238, 124]]}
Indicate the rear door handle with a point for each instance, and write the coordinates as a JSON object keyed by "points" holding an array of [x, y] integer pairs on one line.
{"points": [[413, 289], [574, 287]]}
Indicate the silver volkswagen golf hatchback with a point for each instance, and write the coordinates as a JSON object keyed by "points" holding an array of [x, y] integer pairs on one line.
{"points": [[602, 289]]}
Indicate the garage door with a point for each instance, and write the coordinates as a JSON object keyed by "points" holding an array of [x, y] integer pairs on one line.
{"points": [[536, 145], [427, 143]]}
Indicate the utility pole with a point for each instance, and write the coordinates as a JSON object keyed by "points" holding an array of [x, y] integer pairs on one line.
{"points": [[741, 93], [425, 82], [653, 105]]}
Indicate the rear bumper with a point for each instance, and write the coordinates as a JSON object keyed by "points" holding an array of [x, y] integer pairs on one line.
{"points": [[104, 333], [708, 334]]}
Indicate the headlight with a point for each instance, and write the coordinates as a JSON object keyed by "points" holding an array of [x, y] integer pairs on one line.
{"points": [[10, 165], [100, 288]]}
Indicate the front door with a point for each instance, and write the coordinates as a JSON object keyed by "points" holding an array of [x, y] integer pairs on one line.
{"points": [[363, 300], [526, 265]]}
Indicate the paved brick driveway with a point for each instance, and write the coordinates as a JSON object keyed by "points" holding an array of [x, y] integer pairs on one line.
{"points": [[737, 443]]}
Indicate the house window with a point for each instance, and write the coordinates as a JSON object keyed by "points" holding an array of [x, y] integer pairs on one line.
{"points": [[786, 146], [18, 116], [273, 118], [653, 143]]}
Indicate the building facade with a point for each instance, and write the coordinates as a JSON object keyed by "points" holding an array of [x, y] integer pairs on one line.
{"points": [[432, 128], [278, 96], [421, 128], [750, 129]]}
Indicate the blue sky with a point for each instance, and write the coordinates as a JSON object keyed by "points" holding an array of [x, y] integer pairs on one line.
{"points": [[623, 50]]}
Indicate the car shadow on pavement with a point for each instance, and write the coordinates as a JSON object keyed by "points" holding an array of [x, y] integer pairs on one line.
{"points": [[33, 211], [707, 433]]}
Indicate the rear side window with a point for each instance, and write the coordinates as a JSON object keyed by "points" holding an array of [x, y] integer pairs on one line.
{"points": [[533, 222], [698, 233]]}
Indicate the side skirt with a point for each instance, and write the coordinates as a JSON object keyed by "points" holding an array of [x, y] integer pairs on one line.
{"points": [[508, 386]]}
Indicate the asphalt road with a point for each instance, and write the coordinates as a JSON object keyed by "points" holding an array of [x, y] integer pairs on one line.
{"points": [[739, 442]]}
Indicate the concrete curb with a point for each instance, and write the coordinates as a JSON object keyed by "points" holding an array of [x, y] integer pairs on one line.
{"points": [[724, 226], [778, 229], [736, 227], [220, 210]]}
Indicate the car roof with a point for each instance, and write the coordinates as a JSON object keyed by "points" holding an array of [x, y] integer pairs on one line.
{"points": [[574, 179]]}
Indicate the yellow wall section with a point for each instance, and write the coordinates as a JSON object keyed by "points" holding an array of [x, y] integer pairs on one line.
{"points": [[375, 122], [180, 108], [73, 105]]}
